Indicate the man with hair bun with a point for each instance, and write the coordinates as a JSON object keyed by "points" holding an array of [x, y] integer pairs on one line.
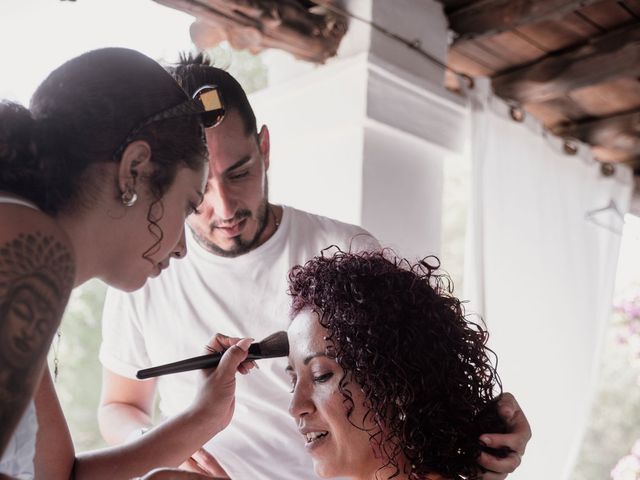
{"points": [[234, 281]]}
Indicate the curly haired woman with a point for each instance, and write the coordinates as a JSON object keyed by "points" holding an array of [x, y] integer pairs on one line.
{"points": [[390, 380]]}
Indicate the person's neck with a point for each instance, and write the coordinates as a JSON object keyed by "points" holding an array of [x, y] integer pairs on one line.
{"points": [[381, 472], [378, 475], [91, 241], [274, 218], [388, 472]]}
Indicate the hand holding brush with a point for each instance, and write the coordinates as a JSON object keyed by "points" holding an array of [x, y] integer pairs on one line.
{"points": [[275, 345]]}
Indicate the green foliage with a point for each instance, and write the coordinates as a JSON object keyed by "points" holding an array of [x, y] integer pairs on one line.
{"points": [[248, 69], [613, 427], [79, 370]]}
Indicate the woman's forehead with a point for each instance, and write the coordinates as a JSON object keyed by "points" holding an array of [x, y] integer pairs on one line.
{"points": [[306, 335]]}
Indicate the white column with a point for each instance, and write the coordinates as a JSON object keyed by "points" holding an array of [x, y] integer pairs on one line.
{"points": [[363, 138]]}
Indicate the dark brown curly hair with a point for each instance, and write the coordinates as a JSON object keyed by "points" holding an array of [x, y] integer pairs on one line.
{"points": [[429, 380]]}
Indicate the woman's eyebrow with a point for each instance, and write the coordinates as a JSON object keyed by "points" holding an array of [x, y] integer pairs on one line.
{"points": [[306, 360], [312, 356]]}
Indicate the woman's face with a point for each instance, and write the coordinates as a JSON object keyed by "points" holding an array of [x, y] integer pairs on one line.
{"points": [[336, 444], [145, 256]]}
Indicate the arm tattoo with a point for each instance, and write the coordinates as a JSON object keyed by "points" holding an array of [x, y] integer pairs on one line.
{"points": [[36, 277]]}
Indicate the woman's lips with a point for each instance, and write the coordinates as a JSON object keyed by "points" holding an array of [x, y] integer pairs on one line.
{"points": [[315, 439], [157, 269]]}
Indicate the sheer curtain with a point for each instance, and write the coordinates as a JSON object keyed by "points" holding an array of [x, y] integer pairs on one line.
{"points": [[542, 250]]}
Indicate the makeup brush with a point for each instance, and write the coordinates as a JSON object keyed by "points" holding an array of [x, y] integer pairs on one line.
{"points": [[275, 345]]}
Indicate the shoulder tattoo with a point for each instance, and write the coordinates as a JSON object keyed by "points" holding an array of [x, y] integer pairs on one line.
{"points": [[36, 277]]}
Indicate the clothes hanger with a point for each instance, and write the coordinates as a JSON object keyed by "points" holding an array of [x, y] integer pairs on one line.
{"points": [[592, 217]]}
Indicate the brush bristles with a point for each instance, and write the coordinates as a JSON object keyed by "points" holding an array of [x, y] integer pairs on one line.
{"points": [[275, 345]]}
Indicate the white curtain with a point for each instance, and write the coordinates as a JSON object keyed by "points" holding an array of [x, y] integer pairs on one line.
{"points": [[543, 245]]}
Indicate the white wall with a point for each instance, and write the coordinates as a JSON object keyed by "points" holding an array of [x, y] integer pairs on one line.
{"points": [[366, 138], [316, 138], [363, 138]]}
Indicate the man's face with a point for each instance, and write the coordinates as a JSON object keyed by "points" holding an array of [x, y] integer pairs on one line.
{"points": [[233, 215]]}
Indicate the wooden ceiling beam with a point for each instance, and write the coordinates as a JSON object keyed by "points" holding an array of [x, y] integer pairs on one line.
{"points": [[490, 17], [610, 56], [619, 132], [258, 24], [452, 5]]}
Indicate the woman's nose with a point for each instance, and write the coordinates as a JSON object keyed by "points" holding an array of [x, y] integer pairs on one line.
{"points": [[301, 403], [181, 248]]}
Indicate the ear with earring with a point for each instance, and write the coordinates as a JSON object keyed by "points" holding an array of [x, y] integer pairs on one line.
{"points": [[129, 197]]}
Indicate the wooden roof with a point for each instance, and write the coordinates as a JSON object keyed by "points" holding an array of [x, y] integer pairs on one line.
{"points": [[300, 27], [575, 65]]}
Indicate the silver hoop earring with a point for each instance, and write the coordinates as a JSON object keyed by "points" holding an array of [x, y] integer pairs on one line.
{"points": [[129, 198]]}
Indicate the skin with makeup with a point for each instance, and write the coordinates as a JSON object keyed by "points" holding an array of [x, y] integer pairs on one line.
{"points": [[389, 380]]}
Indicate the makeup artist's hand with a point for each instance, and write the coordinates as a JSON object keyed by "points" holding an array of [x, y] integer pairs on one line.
{"points": [[175, 474], [216, 396], [515, 440], [205, 463]]}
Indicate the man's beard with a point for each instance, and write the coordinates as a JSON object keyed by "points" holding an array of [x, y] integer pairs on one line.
{"points": [[240, 246]]}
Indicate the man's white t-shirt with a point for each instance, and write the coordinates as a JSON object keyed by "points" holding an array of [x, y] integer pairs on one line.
{"points": [[174, 315]]}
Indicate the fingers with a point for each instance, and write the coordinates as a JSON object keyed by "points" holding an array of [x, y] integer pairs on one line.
{"points": [[514, 442], [233, 357], [493, 476], [192, 465], [519, 428], [208, 463], [507, 405], [498, 468], [182, 475], [220, 343], [173, 474]]}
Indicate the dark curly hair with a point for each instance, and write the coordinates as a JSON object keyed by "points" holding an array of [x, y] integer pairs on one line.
{"points": [[80, 116], [396, 329]]}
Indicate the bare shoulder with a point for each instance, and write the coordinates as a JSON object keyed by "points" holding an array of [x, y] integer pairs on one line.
{"points": [[31, 242], [36, 276], [37, 270]]}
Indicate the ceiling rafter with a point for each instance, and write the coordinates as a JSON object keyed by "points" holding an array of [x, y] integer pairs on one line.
{"points": [[589, 81], [489, 17], [613, 55], [621, 131], [259, 24]]}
